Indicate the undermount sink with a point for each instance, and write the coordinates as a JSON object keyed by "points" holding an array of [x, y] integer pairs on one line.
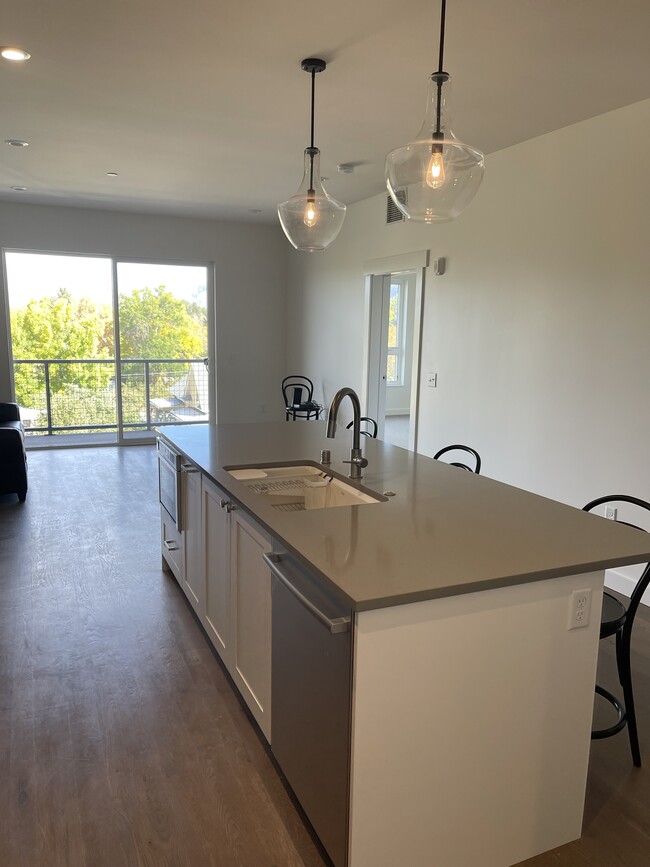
{"points": [[301, 487]]}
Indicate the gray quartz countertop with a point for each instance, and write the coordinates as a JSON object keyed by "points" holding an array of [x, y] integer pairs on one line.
{"points": [[445, 532]]}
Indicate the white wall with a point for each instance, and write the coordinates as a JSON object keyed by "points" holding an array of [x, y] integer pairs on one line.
{"points": [[538, 330], [250, 282]]}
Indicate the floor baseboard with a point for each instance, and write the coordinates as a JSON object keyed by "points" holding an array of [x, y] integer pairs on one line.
{"points": [[622, 583]]}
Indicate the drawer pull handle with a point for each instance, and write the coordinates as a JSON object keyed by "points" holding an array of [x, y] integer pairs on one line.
{"points": [[170, 545], [227, 505]]}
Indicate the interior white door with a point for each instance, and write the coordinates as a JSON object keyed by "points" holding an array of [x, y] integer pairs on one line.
{"points": [[378, 288], [378, 349]]}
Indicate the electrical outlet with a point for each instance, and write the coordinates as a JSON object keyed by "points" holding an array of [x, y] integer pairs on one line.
{"points": [[611, 513], [432, 380], [579, 609]]}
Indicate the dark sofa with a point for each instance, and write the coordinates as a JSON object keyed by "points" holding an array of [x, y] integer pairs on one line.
{"points": [[13, 460]]}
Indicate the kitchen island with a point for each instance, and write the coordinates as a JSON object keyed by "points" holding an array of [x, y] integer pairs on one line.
{"points": [[464, 739]]}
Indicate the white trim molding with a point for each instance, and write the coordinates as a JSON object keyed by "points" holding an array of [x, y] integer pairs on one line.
{"points": [[394, 264]]}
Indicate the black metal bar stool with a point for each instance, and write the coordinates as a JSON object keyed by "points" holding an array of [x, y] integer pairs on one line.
{"points": [[371, 424], [469, 449], [617, 619]]}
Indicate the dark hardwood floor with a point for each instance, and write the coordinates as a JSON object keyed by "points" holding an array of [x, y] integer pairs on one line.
{"points": [[122, 742]]}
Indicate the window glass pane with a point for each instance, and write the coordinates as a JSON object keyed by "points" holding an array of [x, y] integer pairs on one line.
{"points": [[163, 343], [62, 343], [391, 368], [394, 311]]}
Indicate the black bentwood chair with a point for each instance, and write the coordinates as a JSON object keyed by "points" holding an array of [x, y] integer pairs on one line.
{"points": [[617, 619], [297, 393], [477, 457], [372, 426]]}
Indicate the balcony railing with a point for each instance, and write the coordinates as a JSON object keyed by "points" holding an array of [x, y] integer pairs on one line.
{"points": [[58, 395]]}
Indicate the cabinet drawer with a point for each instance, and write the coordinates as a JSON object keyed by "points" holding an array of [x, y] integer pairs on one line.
{"points": [[171, 544]]}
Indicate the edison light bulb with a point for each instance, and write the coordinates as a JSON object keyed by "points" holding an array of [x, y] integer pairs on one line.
{"points": [[436, 170], [310, 213]]}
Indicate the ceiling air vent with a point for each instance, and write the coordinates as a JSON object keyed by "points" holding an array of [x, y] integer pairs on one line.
{"points": [[393, 213]]}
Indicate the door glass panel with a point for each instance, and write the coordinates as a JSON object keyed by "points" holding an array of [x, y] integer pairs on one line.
{"points": [[163, 328], [63, 349]]}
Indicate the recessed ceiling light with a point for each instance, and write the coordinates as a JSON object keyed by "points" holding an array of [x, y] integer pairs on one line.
{"points": [[19, 189], [12, 52], [111, 174], [17, 143]]}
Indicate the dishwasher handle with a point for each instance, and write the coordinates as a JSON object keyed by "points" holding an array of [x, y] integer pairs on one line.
{"points": [[335, 625]]}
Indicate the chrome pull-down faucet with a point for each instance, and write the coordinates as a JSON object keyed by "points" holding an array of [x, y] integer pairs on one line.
{"points": [[357, 460]]}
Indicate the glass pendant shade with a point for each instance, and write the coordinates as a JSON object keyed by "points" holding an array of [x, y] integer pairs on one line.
{"points": [[433, 178], [311, 219]]}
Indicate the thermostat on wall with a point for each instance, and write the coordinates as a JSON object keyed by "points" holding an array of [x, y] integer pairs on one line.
{"points": [[439, 266]]}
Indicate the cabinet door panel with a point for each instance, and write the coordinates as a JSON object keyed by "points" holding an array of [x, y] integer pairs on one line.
{"points": [[251, 613], [216, 534], [193, 580]]}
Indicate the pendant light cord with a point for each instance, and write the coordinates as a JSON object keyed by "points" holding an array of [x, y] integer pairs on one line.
{"points": [[443, 12], [442, 35], [311, 157]]}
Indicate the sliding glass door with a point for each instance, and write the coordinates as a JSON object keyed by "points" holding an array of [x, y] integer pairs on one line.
{"points": [[62, 343], [163, 357], [103, 350]]}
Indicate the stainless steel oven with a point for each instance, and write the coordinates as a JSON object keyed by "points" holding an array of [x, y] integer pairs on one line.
{"points": [[170, 487]]}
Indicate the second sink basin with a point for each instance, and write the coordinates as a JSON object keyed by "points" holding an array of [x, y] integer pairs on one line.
{"points": [[301, 487]]}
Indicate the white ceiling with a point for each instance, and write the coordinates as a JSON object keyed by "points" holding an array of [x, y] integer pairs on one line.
{"points": [[202, 108]]}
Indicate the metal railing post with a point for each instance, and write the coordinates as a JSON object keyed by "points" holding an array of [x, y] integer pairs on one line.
{"points": [[147, 394], [48, 400]]}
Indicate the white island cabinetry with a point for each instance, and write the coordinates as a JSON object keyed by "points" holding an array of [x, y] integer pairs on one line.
{"points": [[192, 577], [250, 617], [216, 533], [228, 586], [464, 735]]}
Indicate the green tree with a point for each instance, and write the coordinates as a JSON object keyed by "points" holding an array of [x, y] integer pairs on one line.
{"points": [[155, 324], [60, 327]]}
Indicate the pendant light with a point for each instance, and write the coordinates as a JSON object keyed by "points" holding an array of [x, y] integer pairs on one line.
{"points": [[311, 219], [435, 177]]}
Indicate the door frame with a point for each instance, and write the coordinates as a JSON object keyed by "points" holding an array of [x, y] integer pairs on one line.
{"points": [[373, 391]]}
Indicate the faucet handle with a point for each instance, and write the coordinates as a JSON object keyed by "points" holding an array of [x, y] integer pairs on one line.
{"points": [[358, 461]]}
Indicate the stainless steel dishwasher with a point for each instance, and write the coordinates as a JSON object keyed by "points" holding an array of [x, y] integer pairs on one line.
{"points": [[311, 697]]}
